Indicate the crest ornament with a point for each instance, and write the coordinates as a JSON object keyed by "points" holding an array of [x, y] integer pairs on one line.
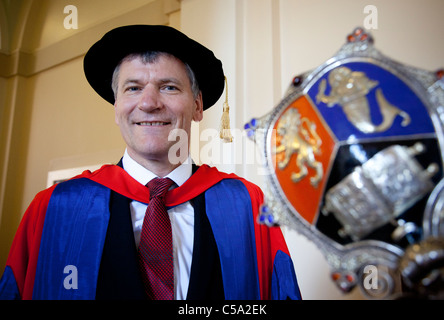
{"points": [[354, 153], [297, 136]]}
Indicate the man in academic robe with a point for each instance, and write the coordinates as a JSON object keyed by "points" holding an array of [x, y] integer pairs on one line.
{"points": [[79, 239]]}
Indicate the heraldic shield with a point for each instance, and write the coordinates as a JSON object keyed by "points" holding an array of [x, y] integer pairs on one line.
{"points": [[354, 153]]}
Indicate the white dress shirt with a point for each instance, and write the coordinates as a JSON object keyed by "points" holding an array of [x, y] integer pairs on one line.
{"points": [[181, 216]]}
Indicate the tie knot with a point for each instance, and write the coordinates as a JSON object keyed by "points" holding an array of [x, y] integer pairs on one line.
{"points": [[159, 186]]}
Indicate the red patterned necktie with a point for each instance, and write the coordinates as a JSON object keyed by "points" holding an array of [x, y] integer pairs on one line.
{"points": [[156, 243]]}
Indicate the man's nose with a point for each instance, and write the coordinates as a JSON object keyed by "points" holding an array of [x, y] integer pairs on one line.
{"points": [[150, 99]]}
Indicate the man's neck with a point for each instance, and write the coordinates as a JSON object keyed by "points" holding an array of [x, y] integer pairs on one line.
{"points": [[143, 173], [159, 166]]}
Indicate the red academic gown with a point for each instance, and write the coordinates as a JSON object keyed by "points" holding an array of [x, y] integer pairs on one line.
{"points": [[65, 227]]}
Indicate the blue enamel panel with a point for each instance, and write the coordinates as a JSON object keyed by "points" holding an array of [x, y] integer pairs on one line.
{"points": [[395, 92]]}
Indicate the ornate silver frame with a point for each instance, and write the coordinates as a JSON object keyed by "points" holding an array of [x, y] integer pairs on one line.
{"points": [[350, 262]]}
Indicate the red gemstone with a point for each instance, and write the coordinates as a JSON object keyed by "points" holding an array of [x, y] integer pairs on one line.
{"points": [[335, 276], [350, 278], [440, 73], [351, 38]]}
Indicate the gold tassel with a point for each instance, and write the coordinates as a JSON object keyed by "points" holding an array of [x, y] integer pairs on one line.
{"points": [[225, 132]]}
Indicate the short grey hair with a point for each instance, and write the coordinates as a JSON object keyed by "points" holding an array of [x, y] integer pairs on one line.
{"points": [[150, 57]]}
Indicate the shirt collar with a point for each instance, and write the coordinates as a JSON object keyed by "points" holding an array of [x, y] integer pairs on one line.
{"points": [[143, 175]]}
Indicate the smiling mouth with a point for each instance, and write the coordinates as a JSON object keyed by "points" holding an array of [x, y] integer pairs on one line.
{"points": [[153, 123]]}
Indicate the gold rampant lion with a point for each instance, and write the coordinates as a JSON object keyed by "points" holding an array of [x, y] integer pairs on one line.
{"points": [[298, 136], [349, 89]]}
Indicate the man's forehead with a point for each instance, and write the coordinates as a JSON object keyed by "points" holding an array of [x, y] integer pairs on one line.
{"points": [[163, 62], [164, 69]]}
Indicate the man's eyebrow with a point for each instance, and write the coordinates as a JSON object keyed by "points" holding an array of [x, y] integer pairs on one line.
{"points": [[161, 81], [131, 81], [170, 80]]}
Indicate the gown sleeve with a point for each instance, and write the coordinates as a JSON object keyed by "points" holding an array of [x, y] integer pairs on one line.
{"points": [[18, 277]]}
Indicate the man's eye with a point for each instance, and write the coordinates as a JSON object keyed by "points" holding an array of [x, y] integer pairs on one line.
{"points": [[132, 89], [170, 88]]}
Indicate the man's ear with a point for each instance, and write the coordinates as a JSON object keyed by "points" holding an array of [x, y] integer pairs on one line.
{"points": [[198, 111], [116, 119]]}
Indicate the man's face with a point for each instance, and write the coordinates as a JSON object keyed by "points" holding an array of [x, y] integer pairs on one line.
{"points": [[153, 99]]}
